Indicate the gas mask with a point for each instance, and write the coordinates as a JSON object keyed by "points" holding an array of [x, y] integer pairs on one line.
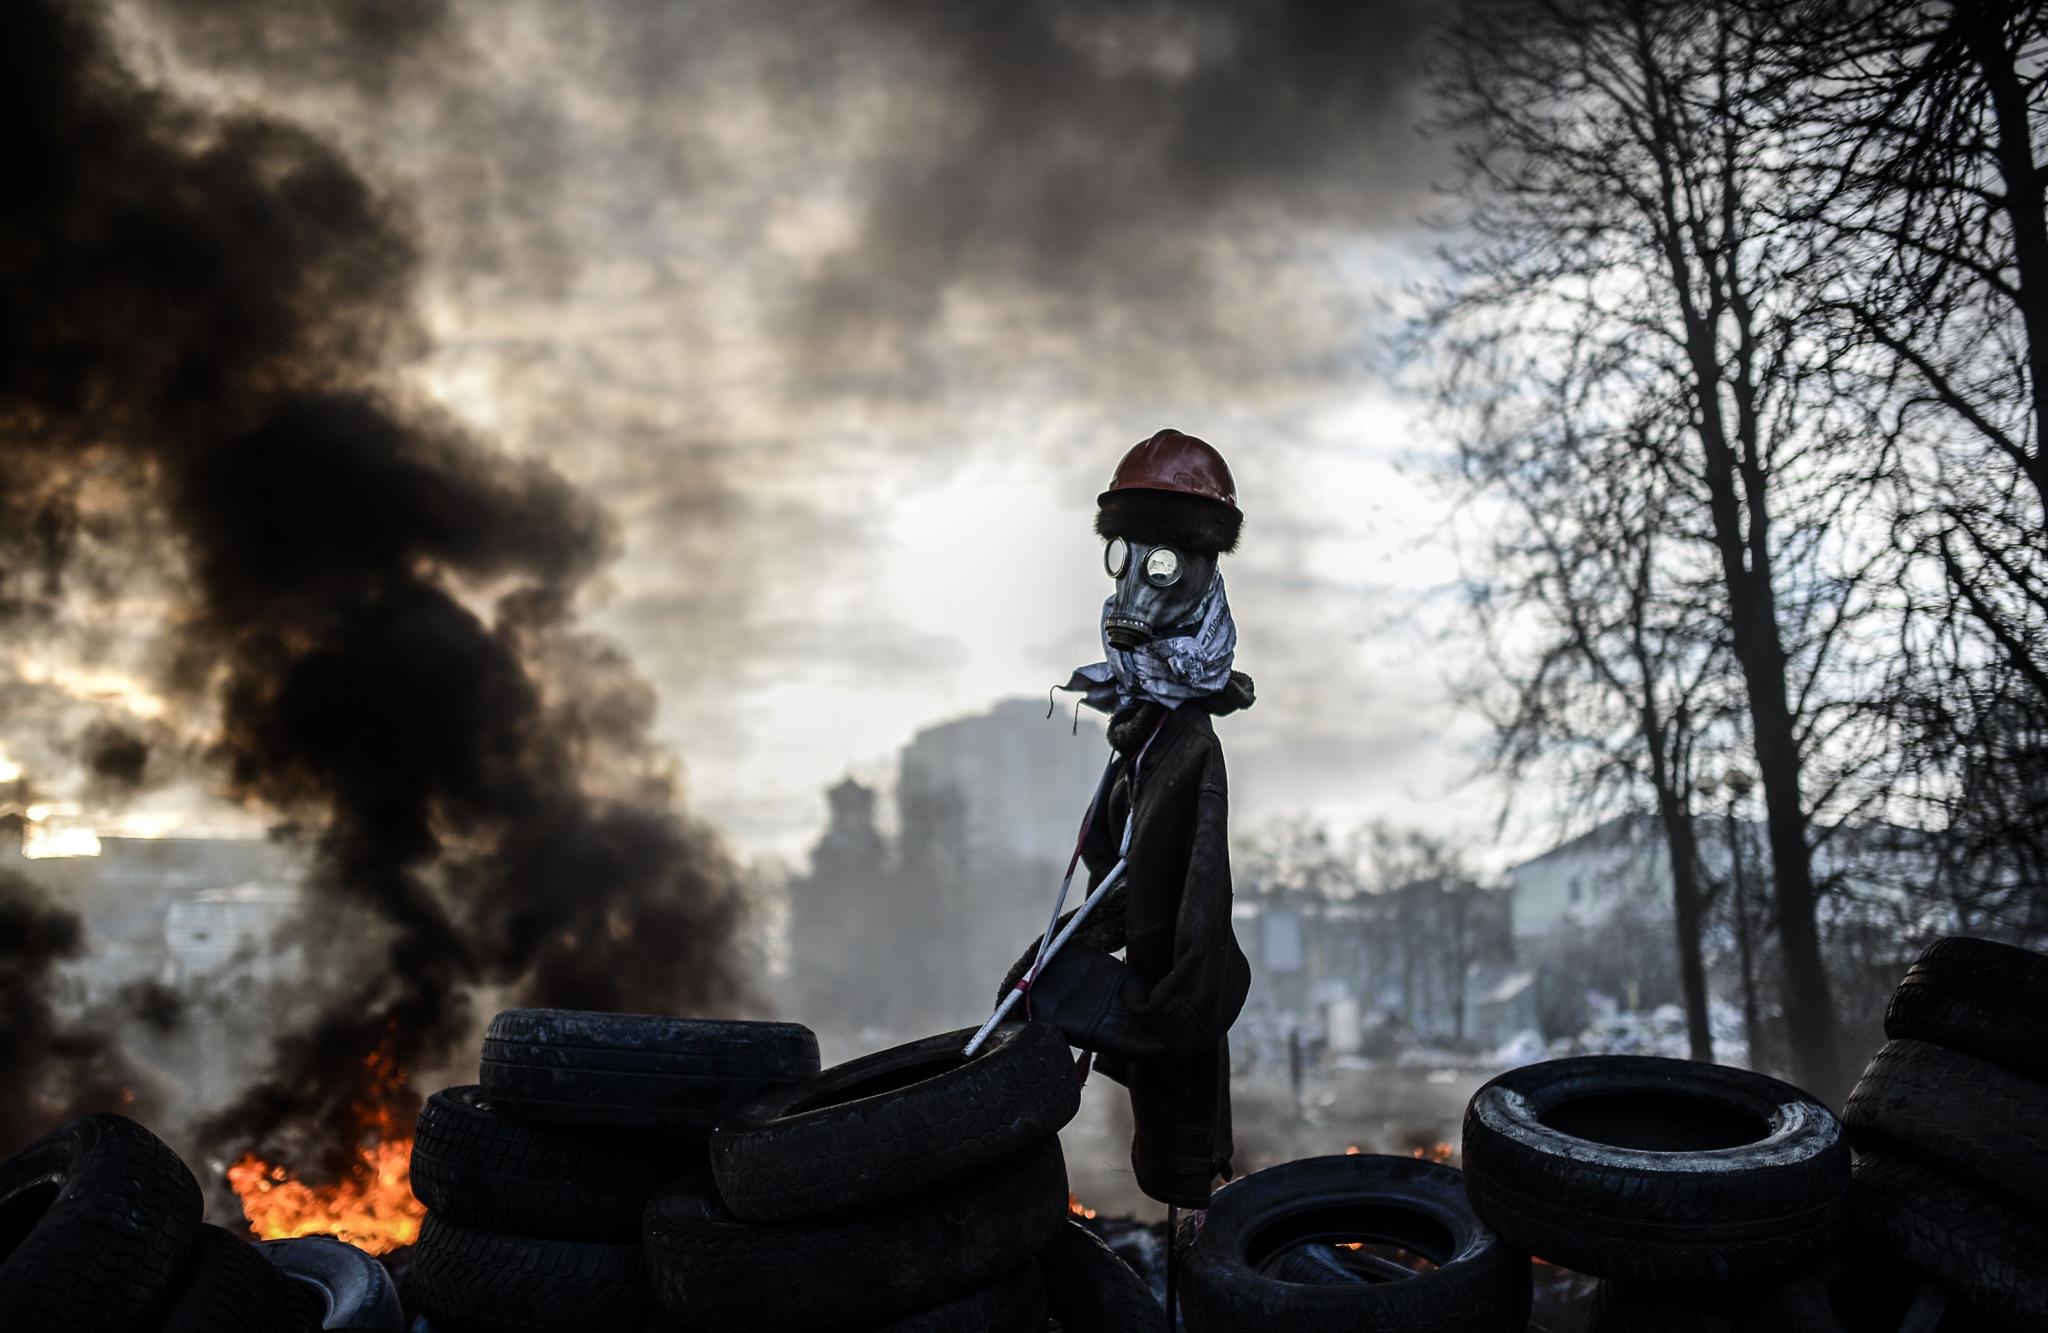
{"points": [[1159, 591]]}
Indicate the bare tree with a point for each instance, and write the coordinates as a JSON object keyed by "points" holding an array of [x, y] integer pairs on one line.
{"points": [[1918, 134], [1626, 669], [1620, 232]]}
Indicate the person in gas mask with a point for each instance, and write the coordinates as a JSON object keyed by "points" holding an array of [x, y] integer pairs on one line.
{"points": [[1158, 1019]]}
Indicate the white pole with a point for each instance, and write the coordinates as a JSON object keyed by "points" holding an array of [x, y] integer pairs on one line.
{"points": [[1046, 952]]}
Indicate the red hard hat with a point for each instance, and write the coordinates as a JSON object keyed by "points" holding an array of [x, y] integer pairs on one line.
{"points": [[1175, 490], [1171, 461]]}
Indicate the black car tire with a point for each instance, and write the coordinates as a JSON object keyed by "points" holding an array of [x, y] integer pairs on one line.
{"points": [[1478, 1285], [97, 1219], [1011, 1304], [473, 1163], [1990, 1255], [228, 1288], [1965, 1114], [893, 1125], [636, 1071], [346, 1287], [1649, 1170], [1979, 997], [717, 1273], [1090, 1290], [467, 1277]]}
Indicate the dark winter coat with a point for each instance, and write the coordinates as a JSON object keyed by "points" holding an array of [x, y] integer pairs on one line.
{"points": [[1159, 1017]]}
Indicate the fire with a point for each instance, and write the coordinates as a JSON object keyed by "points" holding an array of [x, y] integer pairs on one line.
{"points": [[371, 1206], [1077, 1208], [1440, 1152]]}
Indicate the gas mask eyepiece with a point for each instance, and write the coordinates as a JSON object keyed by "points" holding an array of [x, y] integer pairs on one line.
{"points": [[1158, 589], [1162, 564], [1162, 567]]}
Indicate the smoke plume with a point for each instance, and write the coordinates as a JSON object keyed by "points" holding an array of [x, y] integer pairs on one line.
{"points": [[52, 1067], [212, 313], [1119, 156]]}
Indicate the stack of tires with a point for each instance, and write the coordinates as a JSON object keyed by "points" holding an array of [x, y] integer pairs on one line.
{"points": [[1682, 1186], [1269, 1254], [536, 1176], [100, 1229], [1950, 1127], [909, 1190]]}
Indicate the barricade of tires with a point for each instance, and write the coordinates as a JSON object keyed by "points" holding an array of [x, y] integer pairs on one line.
{"points": [[1701, 1196], [1267, 1257], [909, 1190], [637, 1173], [535, 1177], [1950, 1129], [100, 1230]]}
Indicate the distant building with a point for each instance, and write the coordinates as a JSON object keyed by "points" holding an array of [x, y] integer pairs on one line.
{"points": [[1023, 779], [1427, 958], [1583, 881], [904, 933], [235, 929], [172, 910], [1594, 914]]}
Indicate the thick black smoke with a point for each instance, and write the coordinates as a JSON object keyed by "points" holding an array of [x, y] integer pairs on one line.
{"points": [[378, 608], [1121, 153], [52, 1067]]}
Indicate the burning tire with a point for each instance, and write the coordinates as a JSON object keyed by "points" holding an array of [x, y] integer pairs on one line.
{"points": [[1976, 1247], [466, 1277], [637, 1071], [475, 1164], [1652, 1170], [345, 1287], [1981, 998], [893, 1125], [1477, 1285], [717, 1273], [1013, 1304], [1959, 1112], [228, 1288], [1089, 1290], [97, 1219]]}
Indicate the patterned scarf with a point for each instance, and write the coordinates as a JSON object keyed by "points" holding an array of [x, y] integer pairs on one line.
{"points": [[1167, 671]]}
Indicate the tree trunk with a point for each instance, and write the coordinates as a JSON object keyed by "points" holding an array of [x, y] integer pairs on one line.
{"points": [[1730, 459], [1682, 845], [2025, 211], [1752, 1028]]}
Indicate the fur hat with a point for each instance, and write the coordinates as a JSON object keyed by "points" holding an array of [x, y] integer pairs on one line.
{"points": [[1169, 518]]}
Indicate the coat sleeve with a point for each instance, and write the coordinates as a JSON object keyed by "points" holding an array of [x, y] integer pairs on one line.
{"points": [[1104, 1005]]}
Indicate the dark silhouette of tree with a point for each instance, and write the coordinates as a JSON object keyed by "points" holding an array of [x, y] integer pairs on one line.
{"points": [[1623, 236], [1627, 668], [1919, 131]]}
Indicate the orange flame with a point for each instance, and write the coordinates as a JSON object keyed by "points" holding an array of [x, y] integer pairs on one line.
{"points": [[1440, 1152], [371, 1206], [1076, 1207]]}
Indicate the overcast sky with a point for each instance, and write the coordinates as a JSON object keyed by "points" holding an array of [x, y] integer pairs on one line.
{"points": [[845, 311]]}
